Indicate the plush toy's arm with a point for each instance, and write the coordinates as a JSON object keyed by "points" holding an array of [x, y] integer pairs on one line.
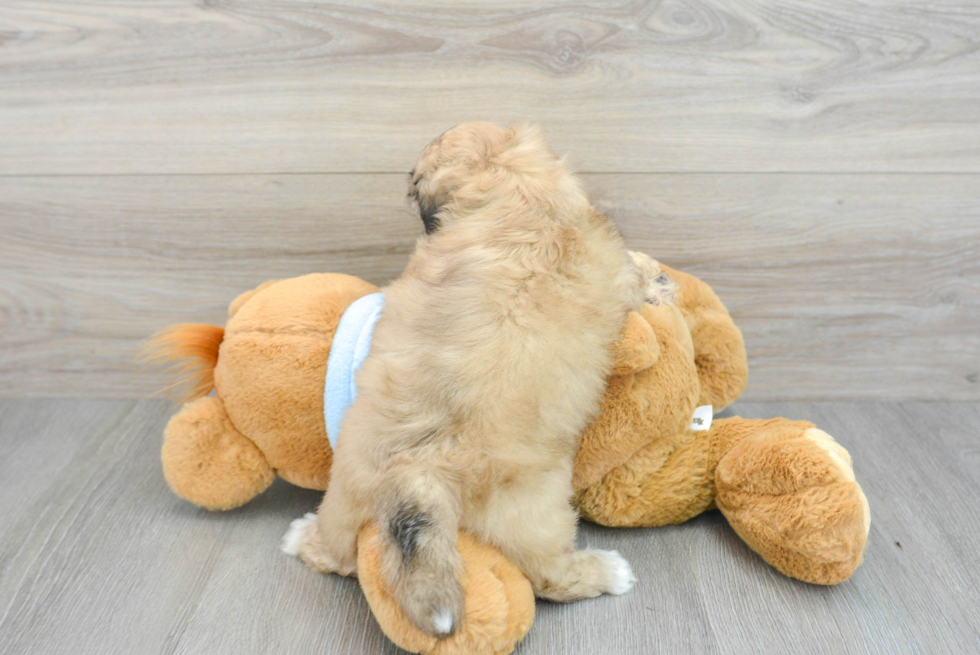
{"points": [[719, 350], [638, 349], [611, 439], [655, 350]]}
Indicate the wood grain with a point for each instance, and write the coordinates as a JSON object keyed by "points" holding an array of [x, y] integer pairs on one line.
{"points": [[271, 86], [97, 556], [92, 266], [863, 286]]}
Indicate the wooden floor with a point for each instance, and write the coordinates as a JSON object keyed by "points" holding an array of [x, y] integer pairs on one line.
{"points": [[99, 557]]}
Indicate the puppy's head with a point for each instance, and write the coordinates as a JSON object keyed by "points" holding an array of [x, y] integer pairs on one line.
{"points": [[475, 160]]}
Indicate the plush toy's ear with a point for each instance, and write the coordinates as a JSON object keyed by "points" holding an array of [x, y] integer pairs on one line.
{"points": [[638, 349], [719, 350]]}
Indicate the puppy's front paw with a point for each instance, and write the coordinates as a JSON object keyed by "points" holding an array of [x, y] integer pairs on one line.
{"points": [[620, 574], [660, 288]]}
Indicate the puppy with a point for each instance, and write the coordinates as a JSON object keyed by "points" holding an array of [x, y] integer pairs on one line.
{"points": [[488, 361]]}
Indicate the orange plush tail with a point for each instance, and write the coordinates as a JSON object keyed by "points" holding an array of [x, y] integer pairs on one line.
{"points": [[196, 343]]}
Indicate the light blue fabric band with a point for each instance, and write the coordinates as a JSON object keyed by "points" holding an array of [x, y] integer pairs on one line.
{"points": [[351, 344]]}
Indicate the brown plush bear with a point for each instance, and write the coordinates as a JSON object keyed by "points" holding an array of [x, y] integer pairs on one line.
{"points": [[653, 456], [786, 487]]}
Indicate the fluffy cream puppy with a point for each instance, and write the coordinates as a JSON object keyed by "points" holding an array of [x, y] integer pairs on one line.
{"points": [[488, 361]]}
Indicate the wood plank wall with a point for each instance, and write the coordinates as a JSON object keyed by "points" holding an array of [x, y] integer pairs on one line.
{"points": [[817, 162]]}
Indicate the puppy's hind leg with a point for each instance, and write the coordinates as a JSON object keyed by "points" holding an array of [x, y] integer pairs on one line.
{"points": [[535, 526], [302, 538]]}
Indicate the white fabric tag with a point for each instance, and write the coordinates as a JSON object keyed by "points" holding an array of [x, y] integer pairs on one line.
{"points": [[702, 418]]}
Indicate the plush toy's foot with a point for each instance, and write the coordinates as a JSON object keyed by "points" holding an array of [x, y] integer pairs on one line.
{"points": [[793, 498], [499, 601], [210, 463]]}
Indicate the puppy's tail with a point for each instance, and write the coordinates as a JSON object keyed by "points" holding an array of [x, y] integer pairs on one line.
{"points": [[420, 561], [195, 343]]}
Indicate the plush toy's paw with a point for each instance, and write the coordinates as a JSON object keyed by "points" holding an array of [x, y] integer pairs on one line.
{"points": [[209, 462], [499, 602], [794, 500]]}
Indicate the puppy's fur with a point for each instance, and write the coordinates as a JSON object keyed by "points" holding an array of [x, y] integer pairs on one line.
{"points": [[488, 361]]}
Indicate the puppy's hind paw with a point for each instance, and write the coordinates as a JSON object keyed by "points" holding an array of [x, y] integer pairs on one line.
{"points": [[293, 539]]}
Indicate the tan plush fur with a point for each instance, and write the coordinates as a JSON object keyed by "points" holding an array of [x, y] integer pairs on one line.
{"points": [[488, 361], [218, 467], [719, 351], [271, 381], [268, 366], [787, 489], [806, 515]]}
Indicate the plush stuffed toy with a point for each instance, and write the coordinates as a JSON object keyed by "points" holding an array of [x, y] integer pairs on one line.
{"points": [[653, 456]]}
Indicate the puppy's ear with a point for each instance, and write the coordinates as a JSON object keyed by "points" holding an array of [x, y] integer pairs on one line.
{"points": [[427, 208], [430, 217]]}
